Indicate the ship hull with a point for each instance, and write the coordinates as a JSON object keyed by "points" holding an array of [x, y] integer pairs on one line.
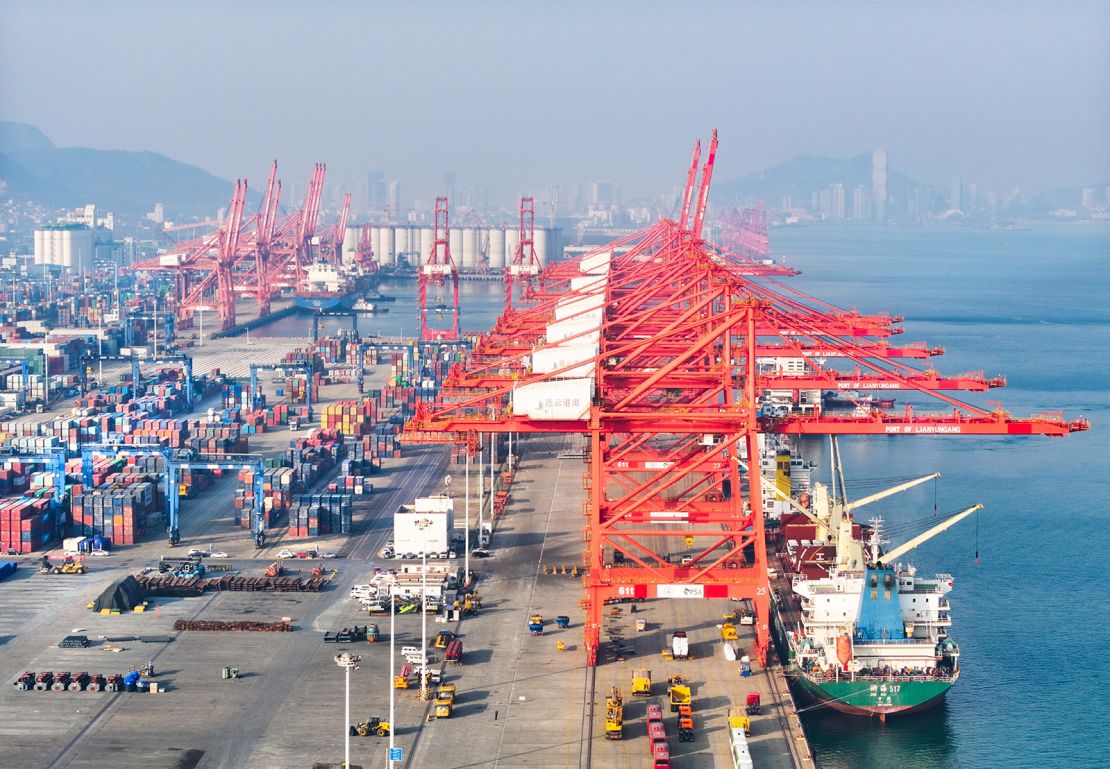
{"points": [[876, 698], [321, 303]]}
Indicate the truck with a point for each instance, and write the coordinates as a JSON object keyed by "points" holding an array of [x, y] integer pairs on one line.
{"points": [[680, 645], [685, 723], [614, 715], [728, 631], [641, 683], [738, 719], [679, 692], [445, 700]]}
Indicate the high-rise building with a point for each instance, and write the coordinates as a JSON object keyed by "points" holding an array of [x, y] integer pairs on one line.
{"points": [[955, 196], [393, 196], [859, 202], [604, 193], [878, 183], [376, 191], [836, 200], [1088, 197], [447, 187]]}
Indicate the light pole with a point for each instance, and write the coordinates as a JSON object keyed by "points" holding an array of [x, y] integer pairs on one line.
{"points": [[392, 664], [466, 506], [423, 524], [347, 661]]}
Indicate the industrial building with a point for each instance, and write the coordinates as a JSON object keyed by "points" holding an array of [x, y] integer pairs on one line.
{"points": [[65, 245], [474, 249]]}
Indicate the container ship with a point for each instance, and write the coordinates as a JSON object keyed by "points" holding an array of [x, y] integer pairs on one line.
{"points": [[327, 287], [860, 632], [850, 399]]}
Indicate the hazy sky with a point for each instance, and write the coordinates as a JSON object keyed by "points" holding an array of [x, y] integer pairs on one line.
{"points": [[519, 96]]}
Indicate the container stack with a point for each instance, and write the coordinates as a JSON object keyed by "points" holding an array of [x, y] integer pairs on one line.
{"points": [[25, 523], [313, 515], [349, 417], [116, 512]]}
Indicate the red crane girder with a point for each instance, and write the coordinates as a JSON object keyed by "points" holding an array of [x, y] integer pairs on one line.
{"points": [[660, 355]]}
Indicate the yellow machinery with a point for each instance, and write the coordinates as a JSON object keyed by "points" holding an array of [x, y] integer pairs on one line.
{"points": [[68, 566], [738, 719], [371, 726], [679, 693], [614, 715], [445, 701], [728, 631], [641, 683], [443, 638]]}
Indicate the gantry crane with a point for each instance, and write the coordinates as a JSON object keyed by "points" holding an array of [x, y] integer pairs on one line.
{"points": [[661, 355], [439, 268]]}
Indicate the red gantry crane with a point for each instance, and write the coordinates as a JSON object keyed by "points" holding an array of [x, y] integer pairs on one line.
{"points": [[437, 269], [254, 256], [667, 358]]}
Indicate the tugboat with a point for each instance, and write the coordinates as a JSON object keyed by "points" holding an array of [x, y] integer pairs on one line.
{"points": [[864, 634], [362, 305]]}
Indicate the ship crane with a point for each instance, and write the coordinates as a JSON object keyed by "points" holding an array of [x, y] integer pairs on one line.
{"points": [[893, 555]]}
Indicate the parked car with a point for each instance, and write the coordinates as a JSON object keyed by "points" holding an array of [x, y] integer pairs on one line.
{"points": [[217, 554], [329, 555], [285, 554], [480, 552]]}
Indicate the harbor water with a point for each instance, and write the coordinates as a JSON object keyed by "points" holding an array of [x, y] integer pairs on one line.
{"points": [[1032, 616]]}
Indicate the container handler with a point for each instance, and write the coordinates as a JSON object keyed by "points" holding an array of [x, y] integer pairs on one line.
{"points": [[614, 715], [372, 725], [641, 683], [728, 631], [679, 692]]}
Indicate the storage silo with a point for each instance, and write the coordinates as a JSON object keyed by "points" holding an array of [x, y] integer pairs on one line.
{"points": [[512, 242], [455, 242], [427, 240], [350, 244], [376, 243], [539, 242], [469, 249], [67, 247], [40, 246], [401, 244], [496, 248], [389, 251]]}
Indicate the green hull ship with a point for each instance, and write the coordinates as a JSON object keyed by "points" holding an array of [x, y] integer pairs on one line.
{"points": [[862, 633]]}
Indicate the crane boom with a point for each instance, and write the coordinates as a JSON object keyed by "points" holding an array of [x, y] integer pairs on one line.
{"points": [[901, 550], [892, 490]]}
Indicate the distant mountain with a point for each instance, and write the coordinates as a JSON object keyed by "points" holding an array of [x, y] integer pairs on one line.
{"points": [[803, 175], [126, 183]]}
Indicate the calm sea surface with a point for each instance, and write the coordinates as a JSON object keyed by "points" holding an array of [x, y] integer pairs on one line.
{"points": [[1033, 618]]}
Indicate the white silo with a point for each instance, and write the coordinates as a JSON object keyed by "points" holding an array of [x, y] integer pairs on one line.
{"points": [[67, 247], [40, 246], [539, 242], [376, 243], [389, 252], [455, 241], [496, 248], [469, 249], [427, 240], [512, 242], [350, 244], [401, 243]]}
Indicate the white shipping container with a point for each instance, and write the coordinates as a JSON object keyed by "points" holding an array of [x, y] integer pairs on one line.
{"points": [[563, 399], [548, 359], [589, 284], [597, 264], [570, 306], [561, 329]]}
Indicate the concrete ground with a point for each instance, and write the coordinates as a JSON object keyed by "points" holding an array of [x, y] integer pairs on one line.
{"points": [[520, 703]]}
